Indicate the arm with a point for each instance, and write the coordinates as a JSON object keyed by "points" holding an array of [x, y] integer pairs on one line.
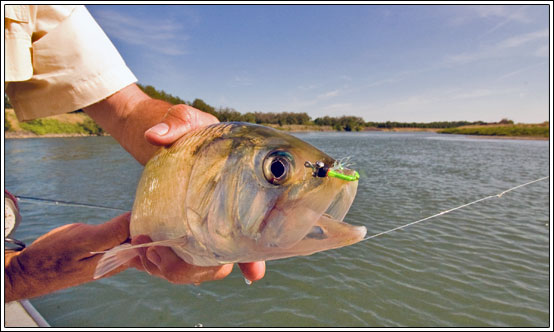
{"points": [[63, 258], [129, 113]]}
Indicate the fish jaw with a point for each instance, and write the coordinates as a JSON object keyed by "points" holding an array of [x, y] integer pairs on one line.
{"points": [[327, 233]]}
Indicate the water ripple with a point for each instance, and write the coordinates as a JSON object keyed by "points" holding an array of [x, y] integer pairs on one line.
{"points": [[483, 266]]}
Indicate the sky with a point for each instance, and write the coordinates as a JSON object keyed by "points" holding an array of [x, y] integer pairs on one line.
{"points": [[407, 63]]}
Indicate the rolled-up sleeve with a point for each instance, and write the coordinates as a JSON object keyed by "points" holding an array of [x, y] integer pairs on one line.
{"points": [[74, 65]]}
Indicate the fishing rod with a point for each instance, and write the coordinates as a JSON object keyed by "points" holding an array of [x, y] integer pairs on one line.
{"points": [[65, 203]]}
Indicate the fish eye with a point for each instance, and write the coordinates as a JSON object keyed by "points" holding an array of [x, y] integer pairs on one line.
{"points": [[277, 166]]}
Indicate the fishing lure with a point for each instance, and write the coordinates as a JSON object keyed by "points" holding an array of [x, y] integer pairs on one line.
{"points": [[321, 170]]}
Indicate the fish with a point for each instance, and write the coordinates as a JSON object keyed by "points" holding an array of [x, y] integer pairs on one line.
{"points": [[236, 192]]}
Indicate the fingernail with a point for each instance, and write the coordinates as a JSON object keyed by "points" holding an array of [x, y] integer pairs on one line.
{"points": [[160, 129], [153, 257], [247, 281]]}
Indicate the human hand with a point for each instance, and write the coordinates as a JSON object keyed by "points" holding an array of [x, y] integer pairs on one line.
{"points": [[62, 258], [178, 120], [164, 263]]}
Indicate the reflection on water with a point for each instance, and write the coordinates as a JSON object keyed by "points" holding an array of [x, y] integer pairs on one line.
{"points": [[486, 265]]}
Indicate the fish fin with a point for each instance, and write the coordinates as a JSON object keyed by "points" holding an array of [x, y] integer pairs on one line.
{"points": [[114, 258], [121, 254]]}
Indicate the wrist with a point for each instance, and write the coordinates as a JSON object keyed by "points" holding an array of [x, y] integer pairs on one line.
{"points": [[126, 115], [142, 117]]}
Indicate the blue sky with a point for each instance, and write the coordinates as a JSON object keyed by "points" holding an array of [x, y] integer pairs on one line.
{"points": [[381, 62]]}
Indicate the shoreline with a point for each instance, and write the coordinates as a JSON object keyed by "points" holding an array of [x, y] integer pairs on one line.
{"points": [[25, 134], [532, 138]]}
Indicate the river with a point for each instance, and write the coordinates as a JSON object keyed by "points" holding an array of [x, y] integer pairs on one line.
{"points": [[486, 265]]}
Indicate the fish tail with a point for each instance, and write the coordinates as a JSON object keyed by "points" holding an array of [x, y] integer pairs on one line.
{"points": [[114, 258]]}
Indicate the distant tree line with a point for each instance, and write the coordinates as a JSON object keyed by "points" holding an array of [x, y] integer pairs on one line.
{"points": [[343, 123], [436, 124], [224, 114], [230, 114]]}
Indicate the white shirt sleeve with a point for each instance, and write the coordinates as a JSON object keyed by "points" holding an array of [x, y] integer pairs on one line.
{"points": [[73, 65]]}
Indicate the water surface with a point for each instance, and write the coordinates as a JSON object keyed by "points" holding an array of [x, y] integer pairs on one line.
{"points": [[486, 265]]}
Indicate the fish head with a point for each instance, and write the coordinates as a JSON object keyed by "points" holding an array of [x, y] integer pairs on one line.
{"points": [[266, 203]]}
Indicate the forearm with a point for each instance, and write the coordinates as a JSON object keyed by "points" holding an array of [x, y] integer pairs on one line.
{"points": [[9, 276], [126, 115], [25, 281], [62, 258], [21, 284]]}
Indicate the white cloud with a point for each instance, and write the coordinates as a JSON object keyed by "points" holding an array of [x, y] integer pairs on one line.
{"points": [[472, 94], [165, 36], [542, 51], [329, 94], [241, 80], [502, 14], [520, 70], [502, 48], [522, 39], [510, 13]]}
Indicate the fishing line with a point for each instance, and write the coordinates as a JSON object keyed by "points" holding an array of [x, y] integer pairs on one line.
{"points": [[65, 203], [454, 209]]}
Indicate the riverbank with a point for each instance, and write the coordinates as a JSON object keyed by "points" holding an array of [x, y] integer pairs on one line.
{"points": [[539, 131], [80, 124], [62, 125]]}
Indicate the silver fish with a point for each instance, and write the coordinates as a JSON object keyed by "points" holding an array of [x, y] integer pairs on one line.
{"points": [[238, 192]]}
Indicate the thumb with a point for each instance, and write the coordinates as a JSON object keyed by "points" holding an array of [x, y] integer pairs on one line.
{"points": [[163, 257], [178, 120], [112, 233]]}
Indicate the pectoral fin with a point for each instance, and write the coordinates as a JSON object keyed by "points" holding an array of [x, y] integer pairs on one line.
{"points": [[122, 254]]}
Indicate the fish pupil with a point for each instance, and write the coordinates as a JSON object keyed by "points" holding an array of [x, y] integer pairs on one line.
{"points": [[277, 168]]}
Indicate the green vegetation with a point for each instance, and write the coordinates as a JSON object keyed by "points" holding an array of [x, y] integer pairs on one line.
{"points": [[343, 123], [7, 124], [284, 121], [161, 95], [540, 130], [91, 127], [53, 126]]}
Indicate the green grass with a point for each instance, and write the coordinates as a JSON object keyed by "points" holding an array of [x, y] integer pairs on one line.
{"points": [[52, 126], [518, 130]]}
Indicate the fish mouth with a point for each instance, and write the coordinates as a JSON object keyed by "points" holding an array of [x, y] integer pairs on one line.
{"points": [[313, 222], [329, 231]]}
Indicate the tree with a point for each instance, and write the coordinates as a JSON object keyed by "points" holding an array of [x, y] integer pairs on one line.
{"points": [[201, 105]]}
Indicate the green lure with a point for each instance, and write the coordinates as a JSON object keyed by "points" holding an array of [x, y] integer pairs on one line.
{"points": [[344, 177]]}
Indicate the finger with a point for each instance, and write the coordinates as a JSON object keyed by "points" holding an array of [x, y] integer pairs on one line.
{"points": [[175, 270], [110, 234], [253, 271], [178, 120], [146, 264]]}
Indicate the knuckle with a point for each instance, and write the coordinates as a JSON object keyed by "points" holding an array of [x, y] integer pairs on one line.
{"points": [[184, 114]]}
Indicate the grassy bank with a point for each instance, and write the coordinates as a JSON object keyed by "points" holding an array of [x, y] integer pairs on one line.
{"points": [[72, 124], [301, 128], [80, 124], [540, 130]]}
